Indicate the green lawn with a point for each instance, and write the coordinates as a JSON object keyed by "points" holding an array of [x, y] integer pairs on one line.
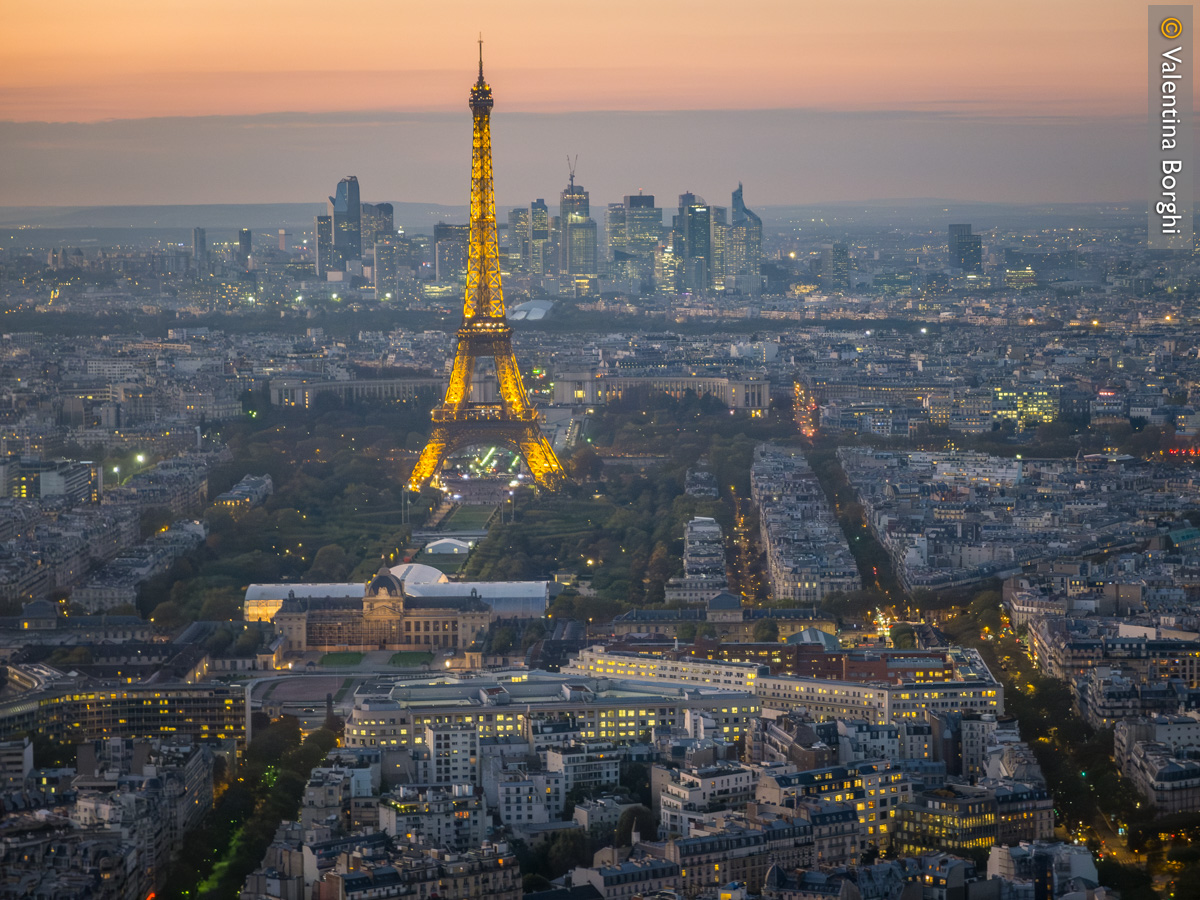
{"points": [[342, 658], [469, 518], [410, 658]]}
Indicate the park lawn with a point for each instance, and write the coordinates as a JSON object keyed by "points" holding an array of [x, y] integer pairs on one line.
{"points": [[410, 658], [469, 518], [342, 658]]}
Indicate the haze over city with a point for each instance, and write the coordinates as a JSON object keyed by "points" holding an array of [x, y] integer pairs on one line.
{"points": [[817, 103]]}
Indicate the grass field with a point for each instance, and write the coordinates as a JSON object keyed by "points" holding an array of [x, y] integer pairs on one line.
{"points": [[410, 658], [342, 658], [469, 518]]}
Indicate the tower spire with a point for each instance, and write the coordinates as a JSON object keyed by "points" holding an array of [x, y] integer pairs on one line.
{"points": [[481, 81]]}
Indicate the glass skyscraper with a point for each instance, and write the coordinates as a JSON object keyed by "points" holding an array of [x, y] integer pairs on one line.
{"points": [[578, 241], [743, 249], [346, 212]]}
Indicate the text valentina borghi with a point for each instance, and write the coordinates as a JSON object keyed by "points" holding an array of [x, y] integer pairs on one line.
{"points": [[1167, 206]]}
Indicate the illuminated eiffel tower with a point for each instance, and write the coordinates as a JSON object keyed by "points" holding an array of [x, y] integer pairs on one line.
{"points": [[461, 422]]}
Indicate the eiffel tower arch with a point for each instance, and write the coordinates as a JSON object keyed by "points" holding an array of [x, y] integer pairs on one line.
{"points": [[513, 421]]}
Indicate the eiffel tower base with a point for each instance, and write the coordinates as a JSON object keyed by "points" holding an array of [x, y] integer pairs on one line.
{"points": [[525, 438]]}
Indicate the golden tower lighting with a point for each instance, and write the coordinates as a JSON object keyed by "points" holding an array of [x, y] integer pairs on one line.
{"points": [[461, 422]]}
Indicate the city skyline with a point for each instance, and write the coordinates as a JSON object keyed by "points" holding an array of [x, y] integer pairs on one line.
{"points": [[925, 101]]}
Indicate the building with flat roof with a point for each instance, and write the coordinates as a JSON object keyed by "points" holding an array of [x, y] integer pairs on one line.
{"points": [[972, 689], [393, 715], [597, 662]]}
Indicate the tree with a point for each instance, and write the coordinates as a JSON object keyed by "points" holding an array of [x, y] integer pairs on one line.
{"points": [[766, 631], [568, 849], [639, 819], [503, 640], [686, 631], [168, 616], [247, 642], [585, 464], [636, 779], [903, 636], [661, 566], [331, 563]]}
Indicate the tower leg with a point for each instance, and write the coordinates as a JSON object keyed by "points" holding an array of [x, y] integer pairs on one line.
{"points": [[429, 461], [543, 463], [460, 377]]}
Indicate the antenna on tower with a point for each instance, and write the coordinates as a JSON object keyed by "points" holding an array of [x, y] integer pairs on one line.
{"points": [[571, 167], [481, 56]]}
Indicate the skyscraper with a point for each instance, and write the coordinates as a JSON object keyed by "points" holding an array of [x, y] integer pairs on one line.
{"points": [[614, 230], [743, 249], [835, 267], [693, 225], [377, 220], [385, 264], [577, 244], [323, 258], [450, 251], [518, 239], [346, 211], [634, 229], [200, 251], [966, 249], [718, 244], [668, 264], [243, 251], [539, 236]]}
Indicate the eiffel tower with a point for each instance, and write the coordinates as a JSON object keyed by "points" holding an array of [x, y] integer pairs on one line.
{"points": [[461, 422]]}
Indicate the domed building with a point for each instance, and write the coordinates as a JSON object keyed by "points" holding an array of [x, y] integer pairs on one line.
{"points": [[386, 618]]}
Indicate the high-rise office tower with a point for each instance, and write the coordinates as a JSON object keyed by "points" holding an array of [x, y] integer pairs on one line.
{"points": [[743, 249], [200, 250], [643, 223], [450, 250], [835, 267], [718, 243], [386, 264], [577, 242], [615, 234], [550, 253], [668, 264], [243, 251], [539, 236], [518, 239], [693, 225], [346, 211], [966, 249], [323, 257], [634, 231], [377, 220]]}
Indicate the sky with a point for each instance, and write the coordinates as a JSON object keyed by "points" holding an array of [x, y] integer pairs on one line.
{"points": [[258, 101]]}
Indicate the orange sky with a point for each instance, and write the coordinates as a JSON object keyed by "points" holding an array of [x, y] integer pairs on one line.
{"points": [[78, 61]]}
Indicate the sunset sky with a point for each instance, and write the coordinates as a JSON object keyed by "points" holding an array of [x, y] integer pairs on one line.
{"points": [[267, 101]]}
